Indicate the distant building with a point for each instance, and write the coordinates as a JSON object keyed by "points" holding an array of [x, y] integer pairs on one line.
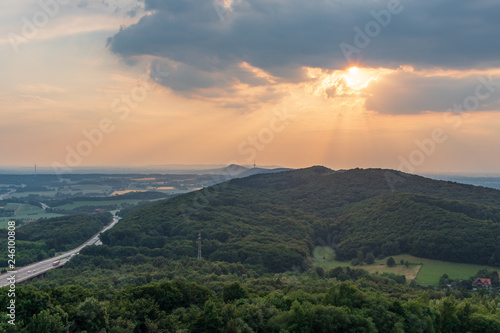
{"points": [[486, 283]]}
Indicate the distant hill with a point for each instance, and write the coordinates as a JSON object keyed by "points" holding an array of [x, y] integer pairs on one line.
{"points": [[274, 220], [238, 171], [258, 171], [486, 181]]}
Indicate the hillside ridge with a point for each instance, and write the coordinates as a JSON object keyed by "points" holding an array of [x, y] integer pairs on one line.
{"points": [[274, 220]]}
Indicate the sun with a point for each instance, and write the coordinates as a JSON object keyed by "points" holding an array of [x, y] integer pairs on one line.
{"points": [[354, 70], [357, 78], [347, 81]]}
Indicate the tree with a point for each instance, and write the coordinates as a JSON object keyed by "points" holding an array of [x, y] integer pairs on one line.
{"points": [[494, 278], [210, 319], [300, 317], [91, 315], [391, 262], [320, 271], [45, 322], [449, 321], [391, 248], [360, 257], [370, 258], [233, 291]]}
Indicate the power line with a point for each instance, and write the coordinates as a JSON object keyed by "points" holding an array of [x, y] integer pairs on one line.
{"points": [[199, 246]]}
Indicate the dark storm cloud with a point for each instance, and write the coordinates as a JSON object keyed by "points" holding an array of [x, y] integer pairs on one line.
{"points": [[282, 36], [184, 78]]}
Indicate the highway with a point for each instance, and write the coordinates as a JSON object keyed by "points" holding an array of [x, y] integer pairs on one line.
{"points": [[37, 268], [2, 196]]}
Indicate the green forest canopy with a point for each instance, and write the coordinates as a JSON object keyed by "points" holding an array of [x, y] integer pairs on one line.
{"points": [[275, 220]]}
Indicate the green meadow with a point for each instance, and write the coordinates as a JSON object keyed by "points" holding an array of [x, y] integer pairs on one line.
{"points": [[432, 270], [425, 271], [25, 212]]}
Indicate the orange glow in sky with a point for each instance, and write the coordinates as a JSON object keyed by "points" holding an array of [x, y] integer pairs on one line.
{"points": [[225, 95]]}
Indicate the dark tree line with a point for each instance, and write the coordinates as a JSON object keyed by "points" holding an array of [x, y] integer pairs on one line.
{"points": [[42, 239], [223, 297]]}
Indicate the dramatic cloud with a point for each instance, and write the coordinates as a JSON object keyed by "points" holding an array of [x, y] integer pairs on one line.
{"points": [[282, 37]]}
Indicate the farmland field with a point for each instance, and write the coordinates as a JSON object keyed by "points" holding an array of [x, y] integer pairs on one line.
{"points": [[425, 271], [21, 196], [126, 191], [26, 194], [24, 212]]}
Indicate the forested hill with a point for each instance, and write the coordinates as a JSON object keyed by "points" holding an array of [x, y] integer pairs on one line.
{"points": [[274, 220]]}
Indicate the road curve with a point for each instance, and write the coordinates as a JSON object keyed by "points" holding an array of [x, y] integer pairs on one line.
{"points": [[2, 196], [27, 272]]}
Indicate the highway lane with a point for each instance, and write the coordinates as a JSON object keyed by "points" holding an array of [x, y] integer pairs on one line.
{"points": [[2, 196], [37, 268]]}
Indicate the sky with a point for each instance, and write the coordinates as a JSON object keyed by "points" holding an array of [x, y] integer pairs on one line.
{"points": [[407, 85]]}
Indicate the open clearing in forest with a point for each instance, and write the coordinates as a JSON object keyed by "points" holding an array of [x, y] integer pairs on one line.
{"points": [[426, 271]]}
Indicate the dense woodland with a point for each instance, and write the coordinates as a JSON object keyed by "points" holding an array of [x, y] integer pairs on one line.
{"points": [[188, 295], [256, 275], [422, 226], [40, 240], [274, 221]]}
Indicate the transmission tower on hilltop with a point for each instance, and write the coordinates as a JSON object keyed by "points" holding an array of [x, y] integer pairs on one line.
{"points": [[199, 246]]}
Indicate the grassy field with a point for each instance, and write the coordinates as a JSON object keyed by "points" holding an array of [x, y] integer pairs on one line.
{"points": [[432, 270], [25, 194], [85, 189], [425, 271], [72, 190], [25, 212], [11, 205], [325, 257]]}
